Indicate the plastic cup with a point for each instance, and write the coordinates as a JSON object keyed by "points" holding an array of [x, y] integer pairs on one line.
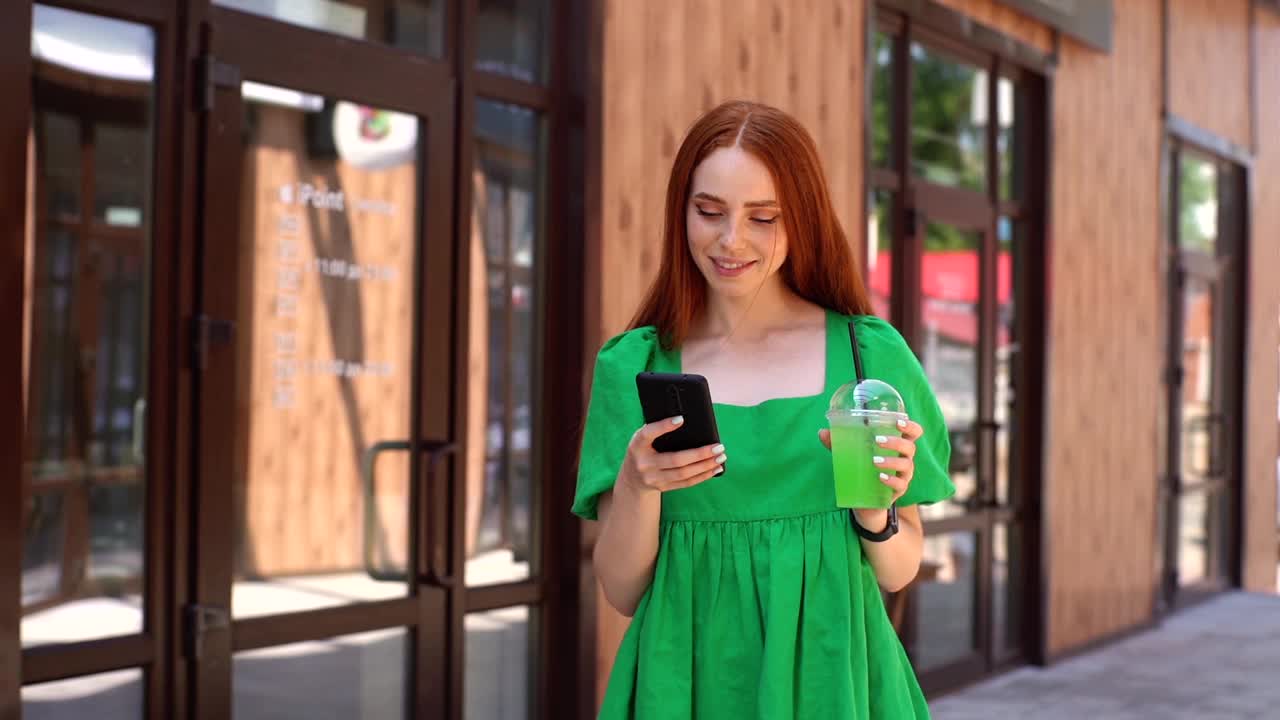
{"points": [[858, 414]]}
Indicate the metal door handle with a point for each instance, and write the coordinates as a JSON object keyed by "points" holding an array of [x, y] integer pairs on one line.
{"points": [[435, 452]]}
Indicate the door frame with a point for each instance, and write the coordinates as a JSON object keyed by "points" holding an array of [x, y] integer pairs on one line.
{"points": [[243, 47], [1180, 136], [957, 35]]}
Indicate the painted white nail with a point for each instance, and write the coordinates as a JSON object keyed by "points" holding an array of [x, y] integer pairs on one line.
{"points": [[877, 460], [881, 439], [884, 477], [902, 423], [677, 420], [719, 470], [721, 458], [717, 450]]}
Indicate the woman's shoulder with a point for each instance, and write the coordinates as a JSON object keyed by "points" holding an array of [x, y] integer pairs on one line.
{"points": [[633, 348], [877, 332]]}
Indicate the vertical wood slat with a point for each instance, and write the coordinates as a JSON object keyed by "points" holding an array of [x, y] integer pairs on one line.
{"points": [[1209, 65], [1261, 533], [1100, 487]]}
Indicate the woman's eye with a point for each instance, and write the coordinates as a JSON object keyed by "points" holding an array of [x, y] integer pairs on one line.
{"points": [[766, 221], [708, 213]]}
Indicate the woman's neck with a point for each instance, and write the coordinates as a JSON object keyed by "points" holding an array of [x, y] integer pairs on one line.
{"points": [[748, 318]]}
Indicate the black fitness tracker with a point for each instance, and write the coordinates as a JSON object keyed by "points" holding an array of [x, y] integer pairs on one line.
{"points": [[890, 527]]}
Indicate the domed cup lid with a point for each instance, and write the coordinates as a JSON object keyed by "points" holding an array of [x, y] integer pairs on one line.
{"points": [[867, 397]]}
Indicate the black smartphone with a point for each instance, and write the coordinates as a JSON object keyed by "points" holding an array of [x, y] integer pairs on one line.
{"points": [[665, 395]]}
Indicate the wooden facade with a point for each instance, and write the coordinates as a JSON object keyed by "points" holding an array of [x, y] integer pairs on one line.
{"points": [[1261, 537], [1106, 414]]}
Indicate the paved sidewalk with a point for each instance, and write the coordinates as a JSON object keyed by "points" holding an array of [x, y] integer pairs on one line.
{"points": [[1216, 661]]}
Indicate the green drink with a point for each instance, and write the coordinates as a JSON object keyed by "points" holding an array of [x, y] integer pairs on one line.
{"points": [[853, 444], [858, 414]]}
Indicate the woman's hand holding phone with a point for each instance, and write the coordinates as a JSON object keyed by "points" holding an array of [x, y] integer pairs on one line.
{"points": [[647, 470]]}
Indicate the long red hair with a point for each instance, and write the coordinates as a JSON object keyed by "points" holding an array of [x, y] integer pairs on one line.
{"points": [[820, 266]]}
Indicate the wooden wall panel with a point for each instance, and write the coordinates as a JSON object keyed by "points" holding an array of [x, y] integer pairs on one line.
{"points": [[1209, 65], [1263, 334], [1105, 352], [1007, 20], [663, 67]]}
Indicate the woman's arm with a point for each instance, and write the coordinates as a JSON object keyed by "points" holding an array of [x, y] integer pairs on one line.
{"points": [[896, 560], [627, 547]]}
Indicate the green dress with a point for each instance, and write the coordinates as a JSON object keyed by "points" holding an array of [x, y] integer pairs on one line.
{"points": [[762, 604]]}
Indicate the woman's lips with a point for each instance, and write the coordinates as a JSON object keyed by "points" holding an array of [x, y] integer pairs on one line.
{"points": [[726, 267]]}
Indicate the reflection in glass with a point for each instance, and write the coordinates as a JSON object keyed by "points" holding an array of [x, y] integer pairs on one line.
{"points": [[498, 664], [1007, 586], [511, 38], [1006, 356], [948, 117], [880, 251], [945, 591], [415, 25], [83, 529], [1010, 151], [1197, 203], [1198, 431], [506, 218], [115, 695], [350, 676], [882, 140], [1199, 532], [949, 277], [328, 237]]}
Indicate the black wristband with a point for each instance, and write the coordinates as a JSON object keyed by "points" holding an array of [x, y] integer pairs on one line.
{"points": [[890, 527]]}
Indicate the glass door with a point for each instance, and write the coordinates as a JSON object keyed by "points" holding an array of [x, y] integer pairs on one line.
{"points": [[1206, 230], [952, 257], [325, 580]]}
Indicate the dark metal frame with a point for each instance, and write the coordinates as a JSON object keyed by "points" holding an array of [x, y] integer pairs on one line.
{"points": [[913, 198]]}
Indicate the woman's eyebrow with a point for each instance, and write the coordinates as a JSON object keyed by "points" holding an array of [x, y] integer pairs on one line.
{"points": [[753, 204]]}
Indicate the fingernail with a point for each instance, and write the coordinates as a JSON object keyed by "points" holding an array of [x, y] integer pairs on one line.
{"points": [[902, 423], [877, 460], [881, 439], [884, 477], [721, 458], [677, 420], [719, 470], [717, 450]]}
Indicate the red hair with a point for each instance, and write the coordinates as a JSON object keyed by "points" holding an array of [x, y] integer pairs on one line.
{"points": [[820, 267]]}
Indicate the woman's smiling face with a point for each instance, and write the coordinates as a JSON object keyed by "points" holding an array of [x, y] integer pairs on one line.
{"points": [[734, 222]]}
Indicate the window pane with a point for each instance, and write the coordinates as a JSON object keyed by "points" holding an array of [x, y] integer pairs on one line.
{"points": [[1197, 203], [329, 240], [88, 312], [415, 25], [949, 277], [882, 101], [507, 212], [1006, 355], [1012, 154], [351, 676], [113, 695], [945, 593], [1008, 585], [948, 117], [498, 664], [1201, 537], [511, 38], [880, 251]]}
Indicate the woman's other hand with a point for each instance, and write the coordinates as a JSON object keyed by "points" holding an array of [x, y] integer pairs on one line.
{"points": [[896, 472]]}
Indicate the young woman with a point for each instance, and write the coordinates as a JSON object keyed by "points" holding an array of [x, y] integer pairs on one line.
{"points": [[752, 595]]}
